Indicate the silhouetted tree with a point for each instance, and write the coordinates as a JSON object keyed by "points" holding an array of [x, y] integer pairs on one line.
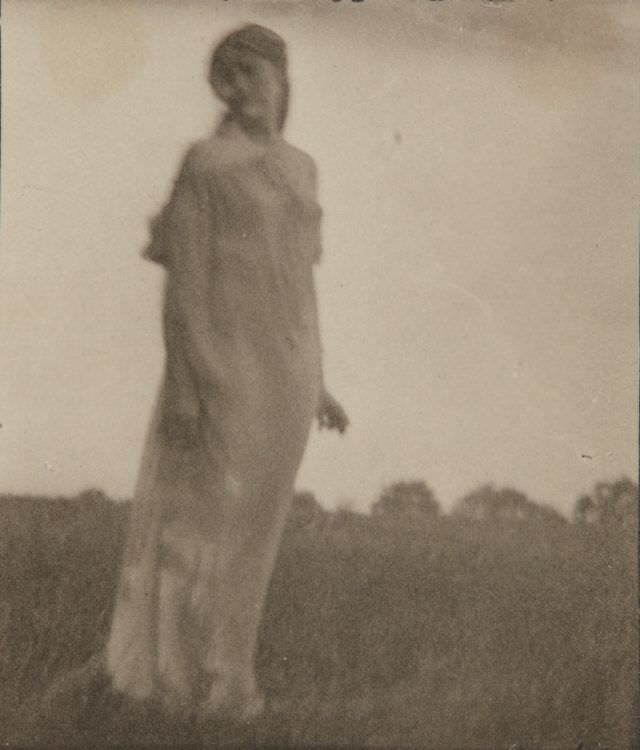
{"points": [[489, 503], [584, 510], [403, 499], [609, 503], [93, 495]]}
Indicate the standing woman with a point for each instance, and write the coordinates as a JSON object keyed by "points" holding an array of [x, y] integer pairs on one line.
{"points": [[238, 238]]}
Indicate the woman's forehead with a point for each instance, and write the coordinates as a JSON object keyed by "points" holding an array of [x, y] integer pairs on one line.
{"points": [[245, 59], [249, 59]]}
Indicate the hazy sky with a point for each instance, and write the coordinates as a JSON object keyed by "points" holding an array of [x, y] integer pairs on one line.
{"points": [[480, 176]]}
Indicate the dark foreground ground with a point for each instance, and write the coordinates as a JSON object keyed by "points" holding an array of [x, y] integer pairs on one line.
{"points": [[431, 633]]}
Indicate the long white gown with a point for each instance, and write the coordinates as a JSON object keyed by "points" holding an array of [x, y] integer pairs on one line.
{"points": [[238, 238]]}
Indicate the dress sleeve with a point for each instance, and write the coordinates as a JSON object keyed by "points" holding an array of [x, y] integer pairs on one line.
{"points": [[171, 227], [182, 242], [316, 238]]}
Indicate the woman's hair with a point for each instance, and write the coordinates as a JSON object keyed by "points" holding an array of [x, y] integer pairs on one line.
{"points": [[252, 39]]}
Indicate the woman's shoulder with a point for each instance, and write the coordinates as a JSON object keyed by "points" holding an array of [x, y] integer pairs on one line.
{"points": [[208, 155], [201, 155], [302, 160], [220, 153]]}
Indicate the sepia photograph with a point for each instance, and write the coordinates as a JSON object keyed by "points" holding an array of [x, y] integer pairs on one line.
{"points": [[319, 385]]}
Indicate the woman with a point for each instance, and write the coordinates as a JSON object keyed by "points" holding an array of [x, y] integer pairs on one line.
{"points": [[238, 239]]}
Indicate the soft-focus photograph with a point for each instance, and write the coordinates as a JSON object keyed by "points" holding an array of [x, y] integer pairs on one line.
{"points": [[319, 396]]}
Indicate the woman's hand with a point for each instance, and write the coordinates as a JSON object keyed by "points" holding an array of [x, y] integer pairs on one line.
{"points": [[331, 414]]}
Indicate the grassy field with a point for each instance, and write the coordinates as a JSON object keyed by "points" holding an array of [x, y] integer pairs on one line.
{"points": [[431, 633]]}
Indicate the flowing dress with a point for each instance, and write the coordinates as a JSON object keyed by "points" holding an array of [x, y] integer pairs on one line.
{"points": [[238, 238]]}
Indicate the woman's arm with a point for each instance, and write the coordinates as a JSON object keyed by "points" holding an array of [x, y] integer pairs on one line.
{"points": [[170, 228], [330, 413], [155, 250]]}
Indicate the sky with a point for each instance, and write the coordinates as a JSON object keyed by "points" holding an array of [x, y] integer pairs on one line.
{"points": [[480, 180]]}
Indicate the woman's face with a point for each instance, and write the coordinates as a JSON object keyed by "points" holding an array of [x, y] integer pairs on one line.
{"points": [[255, 90]]}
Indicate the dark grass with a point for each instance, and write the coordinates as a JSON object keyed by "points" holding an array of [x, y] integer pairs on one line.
{"points": [[435, 633]]}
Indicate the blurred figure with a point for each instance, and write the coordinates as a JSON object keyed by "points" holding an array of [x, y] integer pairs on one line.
{"points": [[238, 238]]}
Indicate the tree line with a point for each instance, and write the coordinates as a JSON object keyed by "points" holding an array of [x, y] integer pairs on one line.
{"points": [[609, 502]]}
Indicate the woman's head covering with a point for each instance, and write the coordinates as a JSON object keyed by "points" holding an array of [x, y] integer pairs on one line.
{"points": [[253, 39]]}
